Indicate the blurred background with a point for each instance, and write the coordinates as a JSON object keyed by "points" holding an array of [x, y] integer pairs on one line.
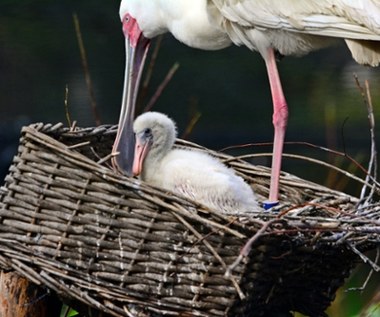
{"points": [[227, 91]]}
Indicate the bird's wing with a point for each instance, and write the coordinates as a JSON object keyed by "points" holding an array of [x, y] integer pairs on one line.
{"points": [[349, 19], [199, 177]]}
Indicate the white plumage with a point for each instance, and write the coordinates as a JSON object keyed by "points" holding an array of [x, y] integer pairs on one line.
{"points": [[191, 173], [291, 27], [286, 27]]}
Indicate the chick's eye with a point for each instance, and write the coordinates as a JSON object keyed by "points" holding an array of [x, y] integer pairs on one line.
{"points": [[148, 131]]}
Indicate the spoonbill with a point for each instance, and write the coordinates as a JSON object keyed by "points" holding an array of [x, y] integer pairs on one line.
{"points": [[190, 173], [270, 27]]}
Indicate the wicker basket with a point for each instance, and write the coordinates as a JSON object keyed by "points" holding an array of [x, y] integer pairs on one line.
{"points": [[68, 222]]}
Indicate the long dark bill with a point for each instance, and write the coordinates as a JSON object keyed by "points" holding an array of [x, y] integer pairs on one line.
{"points": [[123, 147]]}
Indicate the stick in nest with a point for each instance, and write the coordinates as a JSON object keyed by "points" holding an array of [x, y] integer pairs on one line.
{"points": [[364, 285], [248, 246], [372, 165], [86, 70], [213, 251]]}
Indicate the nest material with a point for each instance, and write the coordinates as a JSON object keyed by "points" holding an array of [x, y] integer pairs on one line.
{"points": [[69, 223]]}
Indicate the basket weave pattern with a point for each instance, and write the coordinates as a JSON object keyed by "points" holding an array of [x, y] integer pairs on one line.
{"points": [[69, 223]]}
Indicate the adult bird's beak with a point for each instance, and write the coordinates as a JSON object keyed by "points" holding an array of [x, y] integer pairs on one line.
{"points": [[136, 48]]}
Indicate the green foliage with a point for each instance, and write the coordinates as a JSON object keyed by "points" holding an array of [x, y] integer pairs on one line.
{"points": [[67, 311], [372, 311]]}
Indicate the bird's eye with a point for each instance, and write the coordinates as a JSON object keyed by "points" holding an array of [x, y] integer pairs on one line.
{"points": [[126, 18], [148, 131]]}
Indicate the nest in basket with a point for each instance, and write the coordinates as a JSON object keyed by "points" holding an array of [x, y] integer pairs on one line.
{"points": [[69, 223]]}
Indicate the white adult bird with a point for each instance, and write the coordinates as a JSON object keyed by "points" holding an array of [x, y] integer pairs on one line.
{"points": [[285, 27], [190, 173]]}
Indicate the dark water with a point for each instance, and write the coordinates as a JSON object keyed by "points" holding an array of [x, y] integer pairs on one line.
{"points": [[39, 56]]}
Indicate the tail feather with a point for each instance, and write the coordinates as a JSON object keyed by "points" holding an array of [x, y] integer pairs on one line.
{"points": [[365, 52]]}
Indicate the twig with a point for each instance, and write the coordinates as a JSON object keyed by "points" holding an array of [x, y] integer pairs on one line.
{"points": [[179, 208], [129, 314], [161, 87], [105, 159], [73, 126], [343, 138], [148, 75], [309, 159], [322, 148], [329, 209], [193, 121], [365, 258], [152, 63], [66, 103], [248, 246], [362, 288], [212, 250], [75, 146], [371, 118], [86, 70], [372, 165]]}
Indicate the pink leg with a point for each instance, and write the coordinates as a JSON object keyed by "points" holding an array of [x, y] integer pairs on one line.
{"points": [[280, 119]]}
